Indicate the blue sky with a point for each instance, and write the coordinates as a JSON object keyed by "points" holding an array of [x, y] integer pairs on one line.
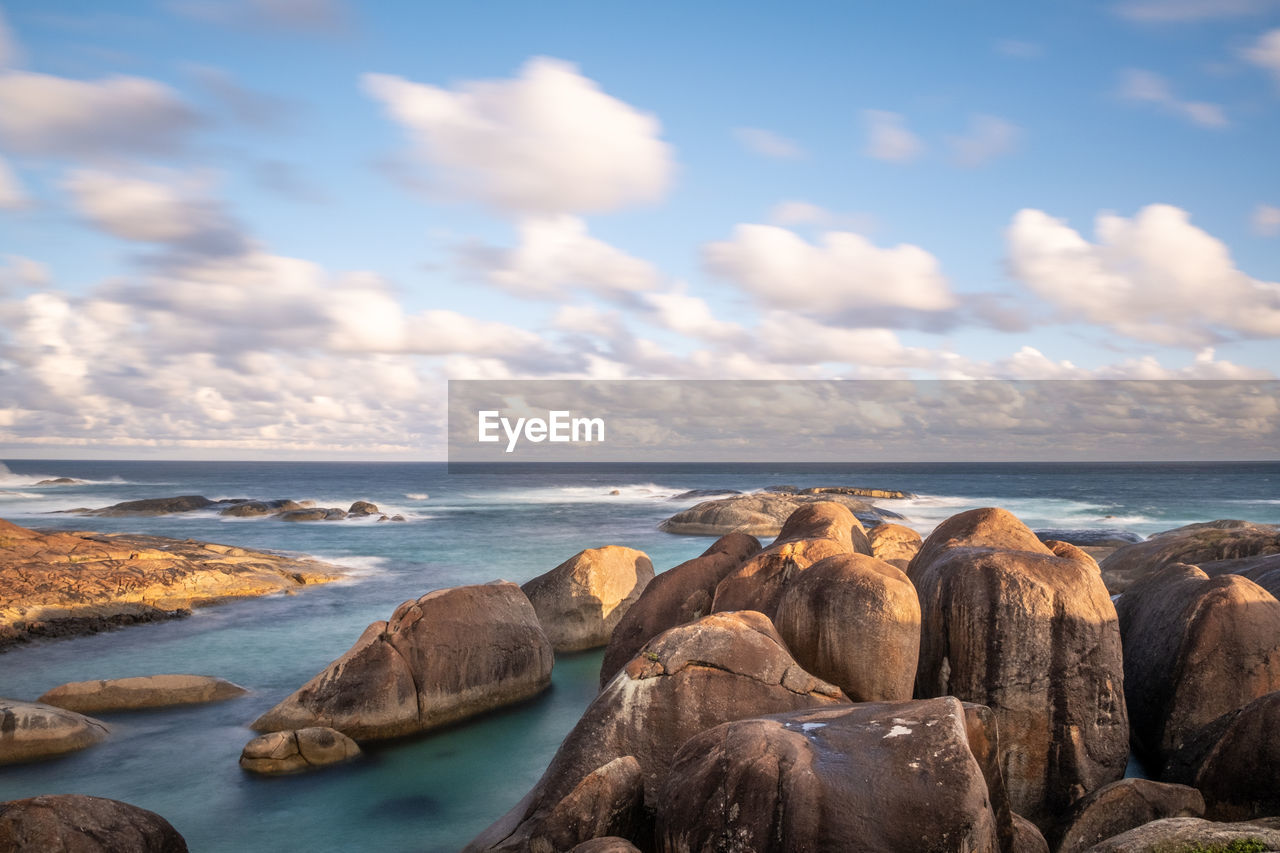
{"points": [[277, 227]]}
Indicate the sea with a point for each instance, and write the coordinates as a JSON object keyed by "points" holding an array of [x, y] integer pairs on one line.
{"points": [[437, 791]]}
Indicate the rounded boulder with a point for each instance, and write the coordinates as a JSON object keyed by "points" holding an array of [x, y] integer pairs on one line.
{"points": [[580, 601]]}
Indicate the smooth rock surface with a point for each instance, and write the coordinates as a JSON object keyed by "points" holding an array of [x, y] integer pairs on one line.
{"points": [[580, 601], [31, 731], [674, 597], [73, 823], [894, 542], [758, 514], [297, 751], [1193, 544], [1189, 835], [1027, 629], [1240, 778], [889, 777], [1124, 805], [451, 654], [147, 691], [854, 620]]}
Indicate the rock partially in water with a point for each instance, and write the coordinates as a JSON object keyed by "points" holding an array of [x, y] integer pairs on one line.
{"points": [[695, 494], [158, 506], [297, 751], [580, 601], [363, 508], [75, 823], [1192, 544], [451, 654], [1030, 631], [875, 776], [255, 509], [61, 481], [30, 731], [1195, 648], [1121, 806], [148, 691]]}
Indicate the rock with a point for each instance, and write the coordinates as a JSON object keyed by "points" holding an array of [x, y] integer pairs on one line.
{"points": [[317, 513], [1192, 544], [611, 844], [893, 543], [615, 492], [451, 654], [1195, 648], [1090, 537], [397, 517], [30, 731], [694, 494], [157, 506], [854, 620], [609, 802], [856, 491], [889, 776], [720, 668], [1264, 570], [297, 750], [60, 481], [1124, 805], [148, 691], [758, 514], [1028, 630], [75, 823], [813, 532], [254, 509], [54, 584], [1193, 835], [362, 508], [1027, 837], [1239, 776], [674, 597], [581, 600]]}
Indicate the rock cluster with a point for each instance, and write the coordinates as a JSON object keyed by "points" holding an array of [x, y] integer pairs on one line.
{"points": [[764, 513], [282, 509]]}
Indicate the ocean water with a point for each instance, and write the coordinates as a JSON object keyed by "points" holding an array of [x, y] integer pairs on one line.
{"points": [[437, 791]]}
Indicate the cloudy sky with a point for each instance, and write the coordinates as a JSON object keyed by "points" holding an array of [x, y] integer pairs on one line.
{"points": [[277, 227]]}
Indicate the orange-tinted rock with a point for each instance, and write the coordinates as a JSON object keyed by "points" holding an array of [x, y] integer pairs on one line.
{"points": [[609, 801], [892, 542], [30, 731], [674, 597], [854, 620], [581, 600]]}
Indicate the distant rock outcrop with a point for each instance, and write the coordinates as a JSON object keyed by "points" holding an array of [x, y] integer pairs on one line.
{"points": [[282, 509], [581, 600], [75, 823], [762, 513]]}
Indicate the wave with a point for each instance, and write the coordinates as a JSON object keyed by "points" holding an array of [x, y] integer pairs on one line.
{"points": [[627, 493], [8, 479], [416, 496]]}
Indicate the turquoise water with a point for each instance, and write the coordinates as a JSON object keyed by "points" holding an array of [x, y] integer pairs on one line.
{"points": [[435, 792]]}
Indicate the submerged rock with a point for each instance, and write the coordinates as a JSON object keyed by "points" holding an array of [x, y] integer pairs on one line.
{"points": [[451, 654], [31, 731], [297, 751], [581, 600], [148, 691], [75, 823]]}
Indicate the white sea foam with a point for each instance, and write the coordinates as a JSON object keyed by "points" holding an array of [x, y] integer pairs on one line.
{"points": [[416, 496], [626, 493]]}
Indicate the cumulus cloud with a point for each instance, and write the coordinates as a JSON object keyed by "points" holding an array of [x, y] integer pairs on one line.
{"points": [[302, 16], [548, 141], [1155, 277], [766, 143], [792, 212], [844, 275], [987, 138], [1177, 11], [1148, 87], [41, 114], [556, 254], [693, 317], [889, 139], [1265, 53], [177, 214], [1266, 220], [12, 195]]}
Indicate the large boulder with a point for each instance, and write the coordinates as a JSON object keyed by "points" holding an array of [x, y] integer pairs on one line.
{"points": [[1193, 835], [608, 802], [1121, 806], [854, 620], [723, 667], [674, 597], [1027, 629], [873, 777], [30, 731], [1240, 778], [896, 544], [760, 513], [1263, 570], [147, 691], [1195, 648], [1193, 544], [279, 753], [75, 823], [580, 601], [451, 654], [813, 532]]}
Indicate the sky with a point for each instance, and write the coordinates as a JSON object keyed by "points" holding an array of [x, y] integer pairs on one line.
{"points": [[277, 228]]}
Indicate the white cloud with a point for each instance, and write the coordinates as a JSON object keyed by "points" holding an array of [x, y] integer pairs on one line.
{"points": [[889, 139], [10, 51], [987, 138], [1266, 53], [1146, 86], [791, 339], [789, 213], [178, 214], [1155, 277], [12, 195], [693, 317], [768, 144], [1266, 220], [844, 275], [20, 272], [45, 115], [548, 141], [1019, 49], [556, 254], [1176, 11]]}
